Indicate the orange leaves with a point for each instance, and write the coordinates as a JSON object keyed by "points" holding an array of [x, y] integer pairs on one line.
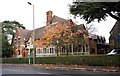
{"points": [[63, 33], [36, 42]]}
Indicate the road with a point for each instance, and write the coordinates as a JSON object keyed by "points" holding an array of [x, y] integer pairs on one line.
{"points": [[30, 71]]}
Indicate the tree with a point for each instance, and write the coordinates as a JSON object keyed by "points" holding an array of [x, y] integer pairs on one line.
{"points": [[51, 36], [96, 10], [8, 29], [91, 29], [6, 47]]}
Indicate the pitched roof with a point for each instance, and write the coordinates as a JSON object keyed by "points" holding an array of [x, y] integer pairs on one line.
{"points": [[28, 35], [39, 32], [58, 19], [116, 26], [24, 33], [93, 36]]}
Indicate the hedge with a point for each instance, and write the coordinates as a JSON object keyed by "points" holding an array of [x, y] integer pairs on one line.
{"points": [[15, 60], [96, 60]]}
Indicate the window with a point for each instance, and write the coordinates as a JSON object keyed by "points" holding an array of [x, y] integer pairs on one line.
{"points": [[37, 50], [51, 50], [41, 51], [18, 52], [87, 48], [47, 50], [44, 50], [18, 38], [19, 41]]}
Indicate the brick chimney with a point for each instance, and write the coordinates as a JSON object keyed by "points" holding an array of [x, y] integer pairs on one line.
{"points": [[49, 17]]}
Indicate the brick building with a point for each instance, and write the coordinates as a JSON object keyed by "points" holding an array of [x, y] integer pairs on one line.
{"points": [[114, 38], [98, 45], [22, 43]]}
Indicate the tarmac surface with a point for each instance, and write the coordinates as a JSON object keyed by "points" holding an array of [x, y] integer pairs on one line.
{"points": [[71, 67], [57, 70]]}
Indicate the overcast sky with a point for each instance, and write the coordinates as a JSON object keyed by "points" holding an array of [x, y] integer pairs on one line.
{"points": [[20, 11]]}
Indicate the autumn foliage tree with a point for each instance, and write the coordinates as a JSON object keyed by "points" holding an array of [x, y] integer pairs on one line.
{"points": [[62, 36]]}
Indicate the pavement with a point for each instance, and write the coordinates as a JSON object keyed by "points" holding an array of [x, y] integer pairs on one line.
{"points": [[71, 67]]}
